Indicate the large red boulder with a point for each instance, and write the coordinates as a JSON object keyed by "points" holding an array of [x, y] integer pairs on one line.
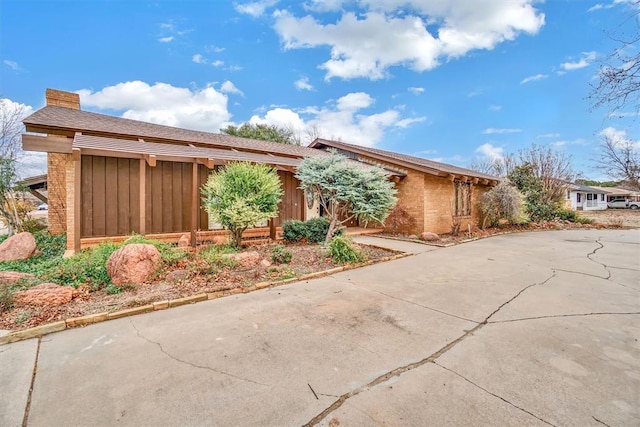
{"points": [[14, 276], [45, 294], [132, 264], [17, 247], [429, 237]]}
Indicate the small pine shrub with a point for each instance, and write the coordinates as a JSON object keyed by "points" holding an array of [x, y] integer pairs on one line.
{"points": [[316, 229], [280, 255], [294, 230], [342, 251], [6, 299]]}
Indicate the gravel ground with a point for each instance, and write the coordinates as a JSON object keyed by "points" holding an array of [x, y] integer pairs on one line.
{"points": [[621, 217]]}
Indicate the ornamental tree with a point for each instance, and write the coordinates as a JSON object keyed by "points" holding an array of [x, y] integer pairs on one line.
{"points": [[347, 189], [241, 195]]}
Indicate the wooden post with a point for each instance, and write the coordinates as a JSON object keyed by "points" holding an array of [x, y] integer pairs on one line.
{"points": [[143, 196], [194, 204], [272, 229]]}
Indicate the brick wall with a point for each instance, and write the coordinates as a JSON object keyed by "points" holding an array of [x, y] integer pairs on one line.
{"points": [[58, 166], [57, 188]]}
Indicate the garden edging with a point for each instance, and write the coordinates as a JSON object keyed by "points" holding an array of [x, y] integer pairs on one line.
{"points": [[49, 328]]}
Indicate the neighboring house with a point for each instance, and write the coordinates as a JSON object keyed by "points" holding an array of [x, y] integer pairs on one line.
{"points": [[584, 198], [436, 196], [615, 194], [108, 177]]}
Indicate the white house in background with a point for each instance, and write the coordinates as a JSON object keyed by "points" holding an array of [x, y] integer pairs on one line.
{"points": [[583, 198]]}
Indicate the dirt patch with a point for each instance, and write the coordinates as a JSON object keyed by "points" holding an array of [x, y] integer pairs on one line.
{"points": [[199, 277], [615, 217]]}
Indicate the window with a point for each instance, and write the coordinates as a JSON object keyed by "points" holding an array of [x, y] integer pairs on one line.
{"points": [[602, 197], [589, 196], [462, 201]]}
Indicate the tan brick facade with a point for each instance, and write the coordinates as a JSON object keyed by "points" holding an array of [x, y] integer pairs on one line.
{"points": [[59, 168], [428, 199]]}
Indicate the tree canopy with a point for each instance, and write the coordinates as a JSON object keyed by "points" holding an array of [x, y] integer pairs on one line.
{"points": [[263, 132], [241, 195], [347, 189]]}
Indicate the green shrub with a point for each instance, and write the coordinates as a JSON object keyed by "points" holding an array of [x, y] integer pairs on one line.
{"points": [[170, 254], [294, 230], [213, 255], [316, 229], [52, 248], [89, 266], [280, 255], [33, 225], [313, 230], [341, 251]]}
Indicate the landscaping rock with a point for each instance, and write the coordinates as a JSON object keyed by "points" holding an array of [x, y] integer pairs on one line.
{"points": [[45, 294], [245, 259], [132, 264], [177, 275], [412, 236], [17, 247], [429, 237], [184, 241], [14, 276], [265, 263]]}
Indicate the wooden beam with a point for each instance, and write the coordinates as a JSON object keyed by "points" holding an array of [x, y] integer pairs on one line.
{"points": [[38, 195], [475, 181], [287, 168], [452, 177], [194, 203], [76, 154], [151, 159], [47, 144], [485, 182], [209, 163], [143, 196]]}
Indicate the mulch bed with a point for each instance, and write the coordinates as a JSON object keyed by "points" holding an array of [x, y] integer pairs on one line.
{"points": [[200, 278]]}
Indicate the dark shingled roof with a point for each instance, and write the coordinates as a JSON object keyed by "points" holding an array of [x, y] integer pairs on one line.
{"points": [[67, 119], [417, 163]]}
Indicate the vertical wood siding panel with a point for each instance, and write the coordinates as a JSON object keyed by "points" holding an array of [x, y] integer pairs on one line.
{"points": [[87, 196], [134, 195], [111, 196], [124, 185], [167, 197], [99, 194], [177, 193]]}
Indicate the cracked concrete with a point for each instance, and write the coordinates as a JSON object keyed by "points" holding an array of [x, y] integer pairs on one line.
{"points": [[525, 329]]}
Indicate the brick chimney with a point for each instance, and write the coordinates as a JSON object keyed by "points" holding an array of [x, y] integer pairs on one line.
{"points": [[60, 98]]}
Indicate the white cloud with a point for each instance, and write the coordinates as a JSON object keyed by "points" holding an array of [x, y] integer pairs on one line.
{"points": [[549, 135], [200, 109], [228, 87], [166, 39], [342, 119], [217, 63], [29, 163], [474, 93], [491, 131], [618, 137], [534, 78], [495, 107], [376, 35], [256, 8], [614, 3], [12, 64], [416, 90], [562, 143], [585, 59], [303, 84], [198, 59], [490, 151]]}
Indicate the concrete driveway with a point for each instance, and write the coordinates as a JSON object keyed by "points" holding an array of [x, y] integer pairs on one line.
{"points": [[523, 329]]}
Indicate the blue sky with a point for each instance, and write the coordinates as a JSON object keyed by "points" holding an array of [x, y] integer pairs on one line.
{"points": [[449, 80]]}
